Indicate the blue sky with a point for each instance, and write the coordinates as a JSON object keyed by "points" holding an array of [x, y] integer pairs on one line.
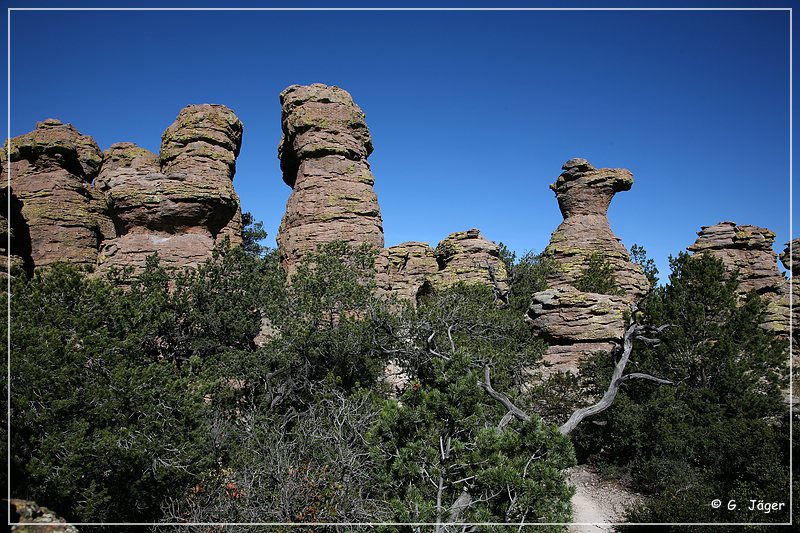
{"points": [[472, 113]]}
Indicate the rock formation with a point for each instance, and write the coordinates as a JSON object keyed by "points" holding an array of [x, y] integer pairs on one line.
{"points": [[62, 215], [576, 324], [748, 249], [584, 194], [179, 204], [408, 269], [403, 269], [793, 252], [17, 259], [323, 156], [72, 203], [467, 256]]}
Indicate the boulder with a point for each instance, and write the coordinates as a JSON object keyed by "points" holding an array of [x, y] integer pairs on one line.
{"points": [[323, 155], [178, 204], [584, 194], [60, 214], [576, 324]]}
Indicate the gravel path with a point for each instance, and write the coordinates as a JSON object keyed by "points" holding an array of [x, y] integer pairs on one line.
{"points": [[597, 501]]}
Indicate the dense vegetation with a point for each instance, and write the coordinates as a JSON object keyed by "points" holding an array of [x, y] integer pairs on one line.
{"points": [[721, 432], [226, 394]]}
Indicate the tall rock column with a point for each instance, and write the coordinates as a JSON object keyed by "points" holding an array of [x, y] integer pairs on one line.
{"points": [[323, 156], [179, 204], [56, 209]]}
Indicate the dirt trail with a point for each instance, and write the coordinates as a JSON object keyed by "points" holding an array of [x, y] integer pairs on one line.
{"points": [[597, 501]]}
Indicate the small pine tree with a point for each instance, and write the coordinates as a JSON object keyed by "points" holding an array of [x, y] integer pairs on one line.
{"points": [[598, 276]]}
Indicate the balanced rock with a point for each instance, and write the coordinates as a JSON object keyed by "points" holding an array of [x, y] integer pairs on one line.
{"points": [[403, 269], [179, 204], [202, 145], [576, 324], [323, 154], [62, 215], [748, 249], [469, 257], [584, 194]]}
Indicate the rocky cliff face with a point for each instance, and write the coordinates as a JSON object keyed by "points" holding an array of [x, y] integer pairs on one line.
{"points": [[323, 156], [584, 194], [61, 215], [748, 249], [17, 258], [576, 323], [179, 204], [790, 256]]}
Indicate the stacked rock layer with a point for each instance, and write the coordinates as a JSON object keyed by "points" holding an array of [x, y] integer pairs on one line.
{"points": [[748, 249], [790, 257], [574, 323], [469, 257], [61, 215], [323, 156], [179, 204], [71, 202], [408, 269], [403, 269]]}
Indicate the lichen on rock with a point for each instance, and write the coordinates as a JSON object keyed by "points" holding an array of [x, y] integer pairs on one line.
{"points": [[576, 324], [26, 516], [469, 257], [403, 269]]}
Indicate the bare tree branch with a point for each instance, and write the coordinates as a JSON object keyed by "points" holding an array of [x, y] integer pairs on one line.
{"points": [[617, 378], [647, 377], [461, 504], [450, 336], [499, 292], [611, 393], [502, 398]]}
